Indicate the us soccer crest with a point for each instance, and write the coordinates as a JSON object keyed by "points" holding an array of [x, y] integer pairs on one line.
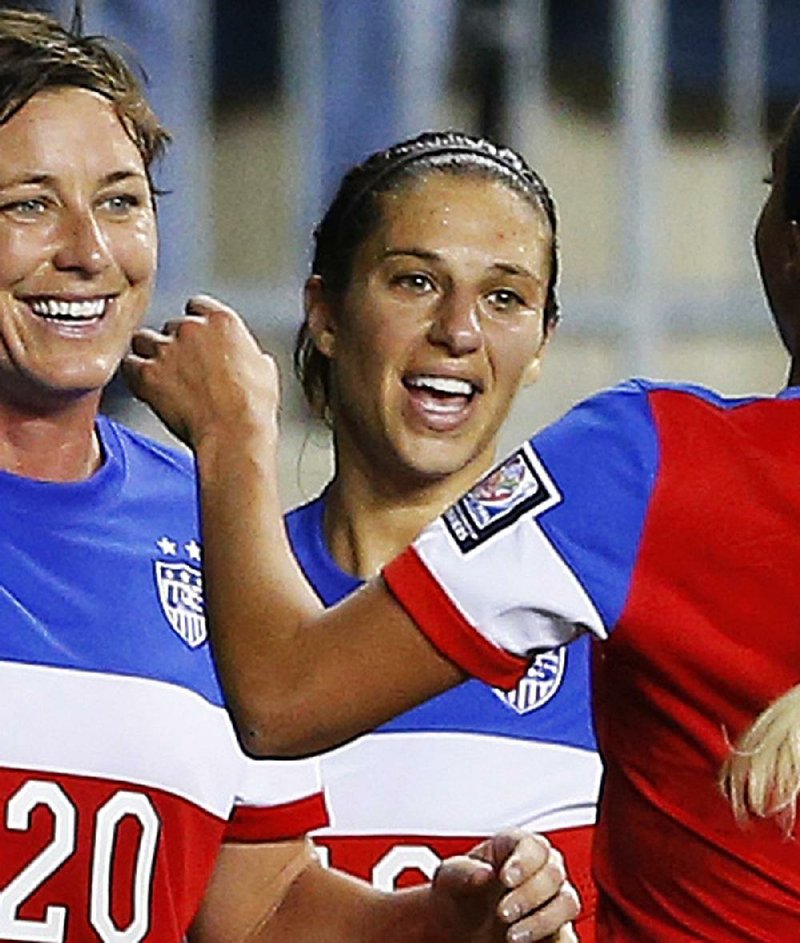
{"points": [[180, 592], [539, 685]]}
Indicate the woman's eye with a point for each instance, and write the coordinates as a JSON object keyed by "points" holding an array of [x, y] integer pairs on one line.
{"points": [[121, 203], [505, 298], [25, 208], [416, 281]]}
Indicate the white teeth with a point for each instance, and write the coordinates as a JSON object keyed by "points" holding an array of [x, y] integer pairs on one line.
{"points": [[443, 407], [446, 385], [69, 310]]}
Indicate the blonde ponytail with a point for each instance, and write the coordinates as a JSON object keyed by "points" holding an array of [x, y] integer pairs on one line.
{"points": [[761, 777]]}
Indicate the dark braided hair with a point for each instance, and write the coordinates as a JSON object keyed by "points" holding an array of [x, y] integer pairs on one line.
{"points": [[792, 188], [355, 214]]}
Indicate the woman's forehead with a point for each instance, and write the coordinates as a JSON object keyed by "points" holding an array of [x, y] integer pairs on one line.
{"points": [[438, 193]]}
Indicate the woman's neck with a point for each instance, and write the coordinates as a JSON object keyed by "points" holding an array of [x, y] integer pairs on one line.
{"points": [[54, 446], [369, 520]]}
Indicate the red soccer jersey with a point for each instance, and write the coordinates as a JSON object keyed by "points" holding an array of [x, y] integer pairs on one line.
{"points": [[667, 519]]}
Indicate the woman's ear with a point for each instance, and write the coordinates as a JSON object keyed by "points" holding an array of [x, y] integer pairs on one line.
{"points": [[320, 315]]}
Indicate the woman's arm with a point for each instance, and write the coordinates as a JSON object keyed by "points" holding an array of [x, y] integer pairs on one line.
{"points": [[511, 886], [297, 679]]}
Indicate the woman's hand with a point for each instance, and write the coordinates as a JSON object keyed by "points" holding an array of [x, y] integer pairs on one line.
{"points": [[204, 373], [512, 887]]}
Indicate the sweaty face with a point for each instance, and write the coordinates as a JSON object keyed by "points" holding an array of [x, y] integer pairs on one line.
{"points": [[77, 246], [778, 248], [441, 325]]}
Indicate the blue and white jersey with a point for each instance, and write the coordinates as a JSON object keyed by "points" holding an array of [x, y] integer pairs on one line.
{"points": [[463, 765], [120, 774]]}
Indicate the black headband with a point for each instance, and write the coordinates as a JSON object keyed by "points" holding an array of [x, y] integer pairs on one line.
{"points": [[444, 150]]}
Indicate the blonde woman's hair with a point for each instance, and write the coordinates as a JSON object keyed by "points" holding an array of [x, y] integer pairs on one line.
{"points": [[761, 777]]}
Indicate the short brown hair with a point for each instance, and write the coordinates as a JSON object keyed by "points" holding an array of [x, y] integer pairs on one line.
{"points": [[37, 53]]}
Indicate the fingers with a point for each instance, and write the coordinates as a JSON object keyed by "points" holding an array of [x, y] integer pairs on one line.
{"points": [[199, 309], [205, 318], [539, 903], [148, 344], [463, 875], [145, 342], [540, 900], [202, 305], [566, 934], [203, 371], [517, 854], [522, 855], [549, 921], [146, 348]]}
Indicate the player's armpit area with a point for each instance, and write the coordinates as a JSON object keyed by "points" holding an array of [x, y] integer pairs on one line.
{"points": [[247, 887]]}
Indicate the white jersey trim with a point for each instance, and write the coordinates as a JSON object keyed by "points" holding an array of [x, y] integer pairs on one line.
{"points": [[455, 784], [136, 730], [515, 588]]}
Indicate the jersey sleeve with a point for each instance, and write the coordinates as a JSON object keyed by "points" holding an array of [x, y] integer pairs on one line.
{"points": [[543, 548], [279, 800]]}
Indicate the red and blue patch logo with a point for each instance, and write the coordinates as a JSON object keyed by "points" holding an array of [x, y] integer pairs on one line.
{"points": [[518, 486]]}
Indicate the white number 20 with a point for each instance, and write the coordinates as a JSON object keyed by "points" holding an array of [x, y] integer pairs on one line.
{"points": [[51, 929]]}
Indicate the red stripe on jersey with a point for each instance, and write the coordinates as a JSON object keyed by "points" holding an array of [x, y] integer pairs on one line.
{"points": [[279, 822], [418, 592]]}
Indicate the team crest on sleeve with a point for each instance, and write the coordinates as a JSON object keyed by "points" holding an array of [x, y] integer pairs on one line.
{"points": [[180, 590], [520, 485], [540, 684]]}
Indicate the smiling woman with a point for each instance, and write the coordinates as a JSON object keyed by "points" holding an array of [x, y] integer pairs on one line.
{"points": [[431, 297], [77, 237], [430, 303], [432, 270], [77, 247], [420, 378]]}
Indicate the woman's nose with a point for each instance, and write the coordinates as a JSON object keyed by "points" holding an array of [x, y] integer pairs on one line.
{"points": [[82, 245], [457, 323]]}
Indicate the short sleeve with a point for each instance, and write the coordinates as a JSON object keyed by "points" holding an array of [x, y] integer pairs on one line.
{"points": [[278, 800], [543, 548]]}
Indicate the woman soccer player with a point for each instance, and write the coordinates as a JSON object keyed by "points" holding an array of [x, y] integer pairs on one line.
{"points": [[431, 301], [128, 810]]}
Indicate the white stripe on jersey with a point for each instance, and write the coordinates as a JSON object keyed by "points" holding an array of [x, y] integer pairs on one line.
{"points": [[140, 731], [438, 783], [514, 588], [272, 782]]}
